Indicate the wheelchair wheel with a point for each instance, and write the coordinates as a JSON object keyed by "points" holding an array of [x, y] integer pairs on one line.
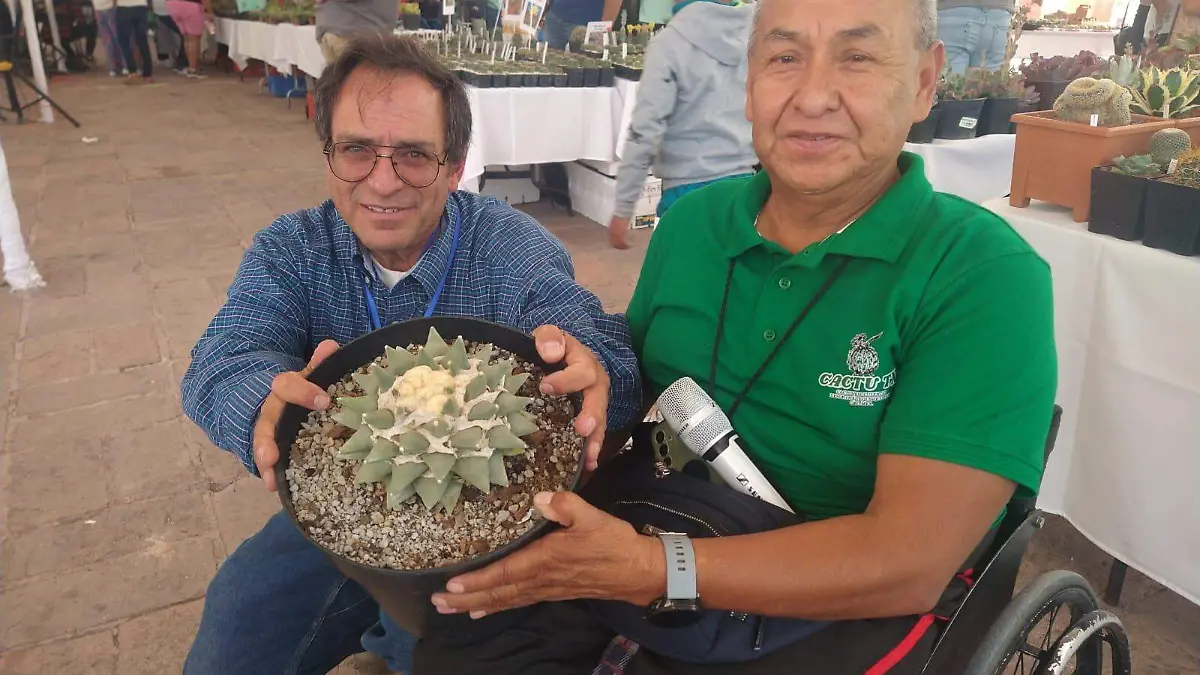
{"points": [[1026, 632]]}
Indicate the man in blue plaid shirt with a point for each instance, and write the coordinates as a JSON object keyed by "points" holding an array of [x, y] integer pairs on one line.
{"points": [[394, 243]]}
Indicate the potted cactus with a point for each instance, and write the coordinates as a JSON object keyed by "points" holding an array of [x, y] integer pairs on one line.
{"points": [[1119, 196], [1172, 218], [1169, 94], [427, 464], [410, 15], [1004, 91], [1050, 77], [1056, 150], [960, 98]]}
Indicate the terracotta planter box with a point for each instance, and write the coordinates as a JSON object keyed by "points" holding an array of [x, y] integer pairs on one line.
{"points": [[1054, 159], [1192, 126]]}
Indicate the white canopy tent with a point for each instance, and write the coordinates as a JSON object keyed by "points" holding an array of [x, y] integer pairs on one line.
{"points": [[35, 48]]}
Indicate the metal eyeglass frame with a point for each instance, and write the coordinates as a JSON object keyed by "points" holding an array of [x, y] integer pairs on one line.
{"points": [[328, 152]]}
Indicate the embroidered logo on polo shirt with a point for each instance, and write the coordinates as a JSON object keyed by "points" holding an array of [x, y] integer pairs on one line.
{"points": [[861, 387]]}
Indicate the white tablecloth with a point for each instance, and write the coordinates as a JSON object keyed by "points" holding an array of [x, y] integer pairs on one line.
{"points": [[1064, 43], [1127, 464], [977, 169], [281, 45]]}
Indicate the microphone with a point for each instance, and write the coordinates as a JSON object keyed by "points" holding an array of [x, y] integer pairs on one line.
{"points": [[705, 430]]}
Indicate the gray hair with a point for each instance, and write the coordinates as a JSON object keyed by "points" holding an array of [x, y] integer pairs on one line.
{"points": [[396, 55], [924, 14]]}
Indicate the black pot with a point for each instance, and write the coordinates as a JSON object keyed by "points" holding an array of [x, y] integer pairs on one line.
{"points": [[1050, 90], [499, 80], [411, 21], [529, 79], [405, 595], [924, 131], [545, 80], [960, 119], [478, 80], [516, 80], [561, 80], [574, 76], [591, 77], [996, 116], [1118, 204], [608, 77], [1172, 218], [627, 73]]}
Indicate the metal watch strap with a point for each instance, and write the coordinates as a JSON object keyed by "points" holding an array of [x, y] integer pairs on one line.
{"points": [[681, 566]]}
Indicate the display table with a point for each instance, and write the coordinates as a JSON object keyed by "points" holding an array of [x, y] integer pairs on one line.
{"points": [[1125, 469], [280, 46], [1049, 43], [977, 169]]}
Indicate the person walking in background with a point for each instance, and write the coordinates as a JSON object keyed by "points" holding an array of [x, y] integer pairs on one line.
{"points": [[339, 20], [132, 27], [975, 32], [690, 117], [190, 16], [169, 39], [106, 20], [564, 16]]}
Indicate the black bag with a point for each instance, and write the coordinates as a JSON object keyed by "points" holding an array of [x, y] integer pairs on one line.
{"points": [[634, 488]]}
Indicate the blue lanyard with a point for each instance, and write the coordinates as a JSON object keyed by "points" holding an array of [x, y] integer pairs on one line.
{"points": [[373, 309]]}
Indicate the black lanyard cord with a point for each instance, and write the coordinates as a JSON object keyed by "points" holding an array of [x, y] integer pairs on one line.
{"points": [[712, 375]]}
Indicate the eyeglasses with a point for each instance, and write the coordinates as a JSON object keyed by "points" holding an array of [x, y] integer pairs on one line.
{"points": [[353, 162]]}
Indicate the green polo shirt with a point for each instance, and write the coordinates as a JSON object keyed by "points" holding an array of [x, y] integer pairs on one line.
{"points": [[937, 341]]}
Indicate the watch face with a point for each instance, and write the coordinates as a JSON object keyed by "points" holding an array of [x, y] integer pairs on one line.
{"points": [[667, 613]]}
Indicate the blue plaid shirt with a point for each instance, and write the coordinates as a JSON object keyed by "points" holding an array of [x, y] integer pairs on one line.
{"points": [[301, 283]]}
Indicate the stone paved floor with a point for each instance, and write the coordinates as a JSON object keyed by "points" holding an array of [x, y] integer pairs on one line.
{"points": [[115, 510]]}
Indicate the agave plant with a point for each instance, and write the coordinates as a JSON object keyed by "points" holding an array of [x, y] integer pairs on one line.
{"points": [[434, 421], [1165, 93]]}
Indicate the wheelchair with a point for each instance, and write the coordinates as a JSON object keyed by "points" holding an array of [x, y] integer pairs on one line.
{"points": [[1055, 621]]}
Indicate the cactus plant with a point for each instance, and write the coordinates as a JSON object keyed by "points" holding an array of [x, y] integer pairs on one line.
{"points": [[1088, 96], [1168, 144], [1137, 165], [432, 422], [1165, 93], [1187, 170], [1123, 69]]}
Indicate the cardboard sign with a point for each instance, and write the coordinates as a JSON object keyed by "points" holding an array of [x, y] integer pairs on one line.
{"points": [[531, 16], [968, 122], [597, 33], [447, 7]]}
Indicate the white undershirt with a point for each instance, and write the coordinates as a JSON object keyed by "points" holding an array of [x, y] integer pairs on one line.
{"points": [[389, 277]]}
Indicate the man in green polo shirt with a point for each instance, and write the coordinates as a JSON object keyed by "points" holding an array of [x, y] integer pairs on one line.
{"points": [[885, 352]]}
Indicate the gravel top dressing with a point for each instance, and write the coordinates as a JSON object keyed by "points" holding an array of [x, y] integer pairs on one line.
{"points": [[355, 520]]}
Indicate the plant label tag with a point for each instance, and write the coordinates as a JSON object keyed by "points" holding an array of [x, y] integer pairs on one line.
{"points": [[968, 122], [605, 56], [1095, 120], [1174, 165], [624, 50]]}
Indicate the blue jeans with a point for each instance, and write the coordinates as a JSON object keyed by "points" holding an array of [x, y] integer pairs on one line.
{"points": [[669, 197], [974, 37], [556, 32], [279, 607], [491, 15]]}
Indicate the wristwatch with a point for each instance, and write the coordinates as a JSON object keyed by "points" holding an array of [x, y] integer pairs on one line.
{"points": [[680, 607]]}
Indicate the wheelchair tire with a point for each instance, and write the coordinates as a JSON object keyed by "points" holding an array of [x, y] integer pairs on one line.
{"points": [[1010, 632]]}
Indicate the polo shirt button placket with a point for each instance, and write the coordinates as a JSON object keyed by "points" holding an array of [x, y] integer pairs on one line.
{"points": [[769, 336], [785, 283]]}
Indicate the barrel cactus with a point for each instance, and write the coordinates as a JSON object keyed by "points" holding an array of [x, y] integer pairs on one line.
{"points": [[1088, 96], [1169, 144], [434, 421]]}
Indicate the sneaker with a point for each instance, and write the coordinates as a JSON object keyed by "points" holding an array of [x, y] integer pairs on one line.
{"points": [[125, 71], [112, 73], [181, 71], [195, 75], [133, 79]]}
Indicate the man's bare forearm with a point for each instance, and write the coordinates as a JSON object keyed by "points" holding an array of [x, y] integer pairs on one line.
{"points": [[611, 9]]}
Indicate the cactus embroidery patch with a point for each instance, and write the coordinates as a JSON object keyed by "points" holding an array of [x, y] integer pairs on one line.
{"points": [[861, 387]]}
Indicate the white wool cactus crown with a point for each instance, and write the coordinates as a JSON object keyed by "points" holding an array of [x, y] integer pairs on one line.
{"points": [[434, 421]]}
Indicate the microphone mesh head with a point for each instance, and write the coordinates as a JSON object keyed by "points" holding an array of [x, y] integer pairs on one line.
{"points": [[685, 401]]}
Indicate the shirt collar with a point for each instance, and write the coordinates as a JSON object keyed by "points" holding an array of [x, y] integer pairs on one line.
{"points": [[882, 232], [432, 265]]}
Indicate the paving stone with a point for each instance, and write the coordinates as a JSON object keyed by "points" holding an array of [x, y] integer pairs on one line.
{"points": [[126, 415], [94, 654], [157, 643], [128, 346], [151, 462], [57, 396], [110, 533], [54, 483], [115, 589], [242, 509], [59, 356]]}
